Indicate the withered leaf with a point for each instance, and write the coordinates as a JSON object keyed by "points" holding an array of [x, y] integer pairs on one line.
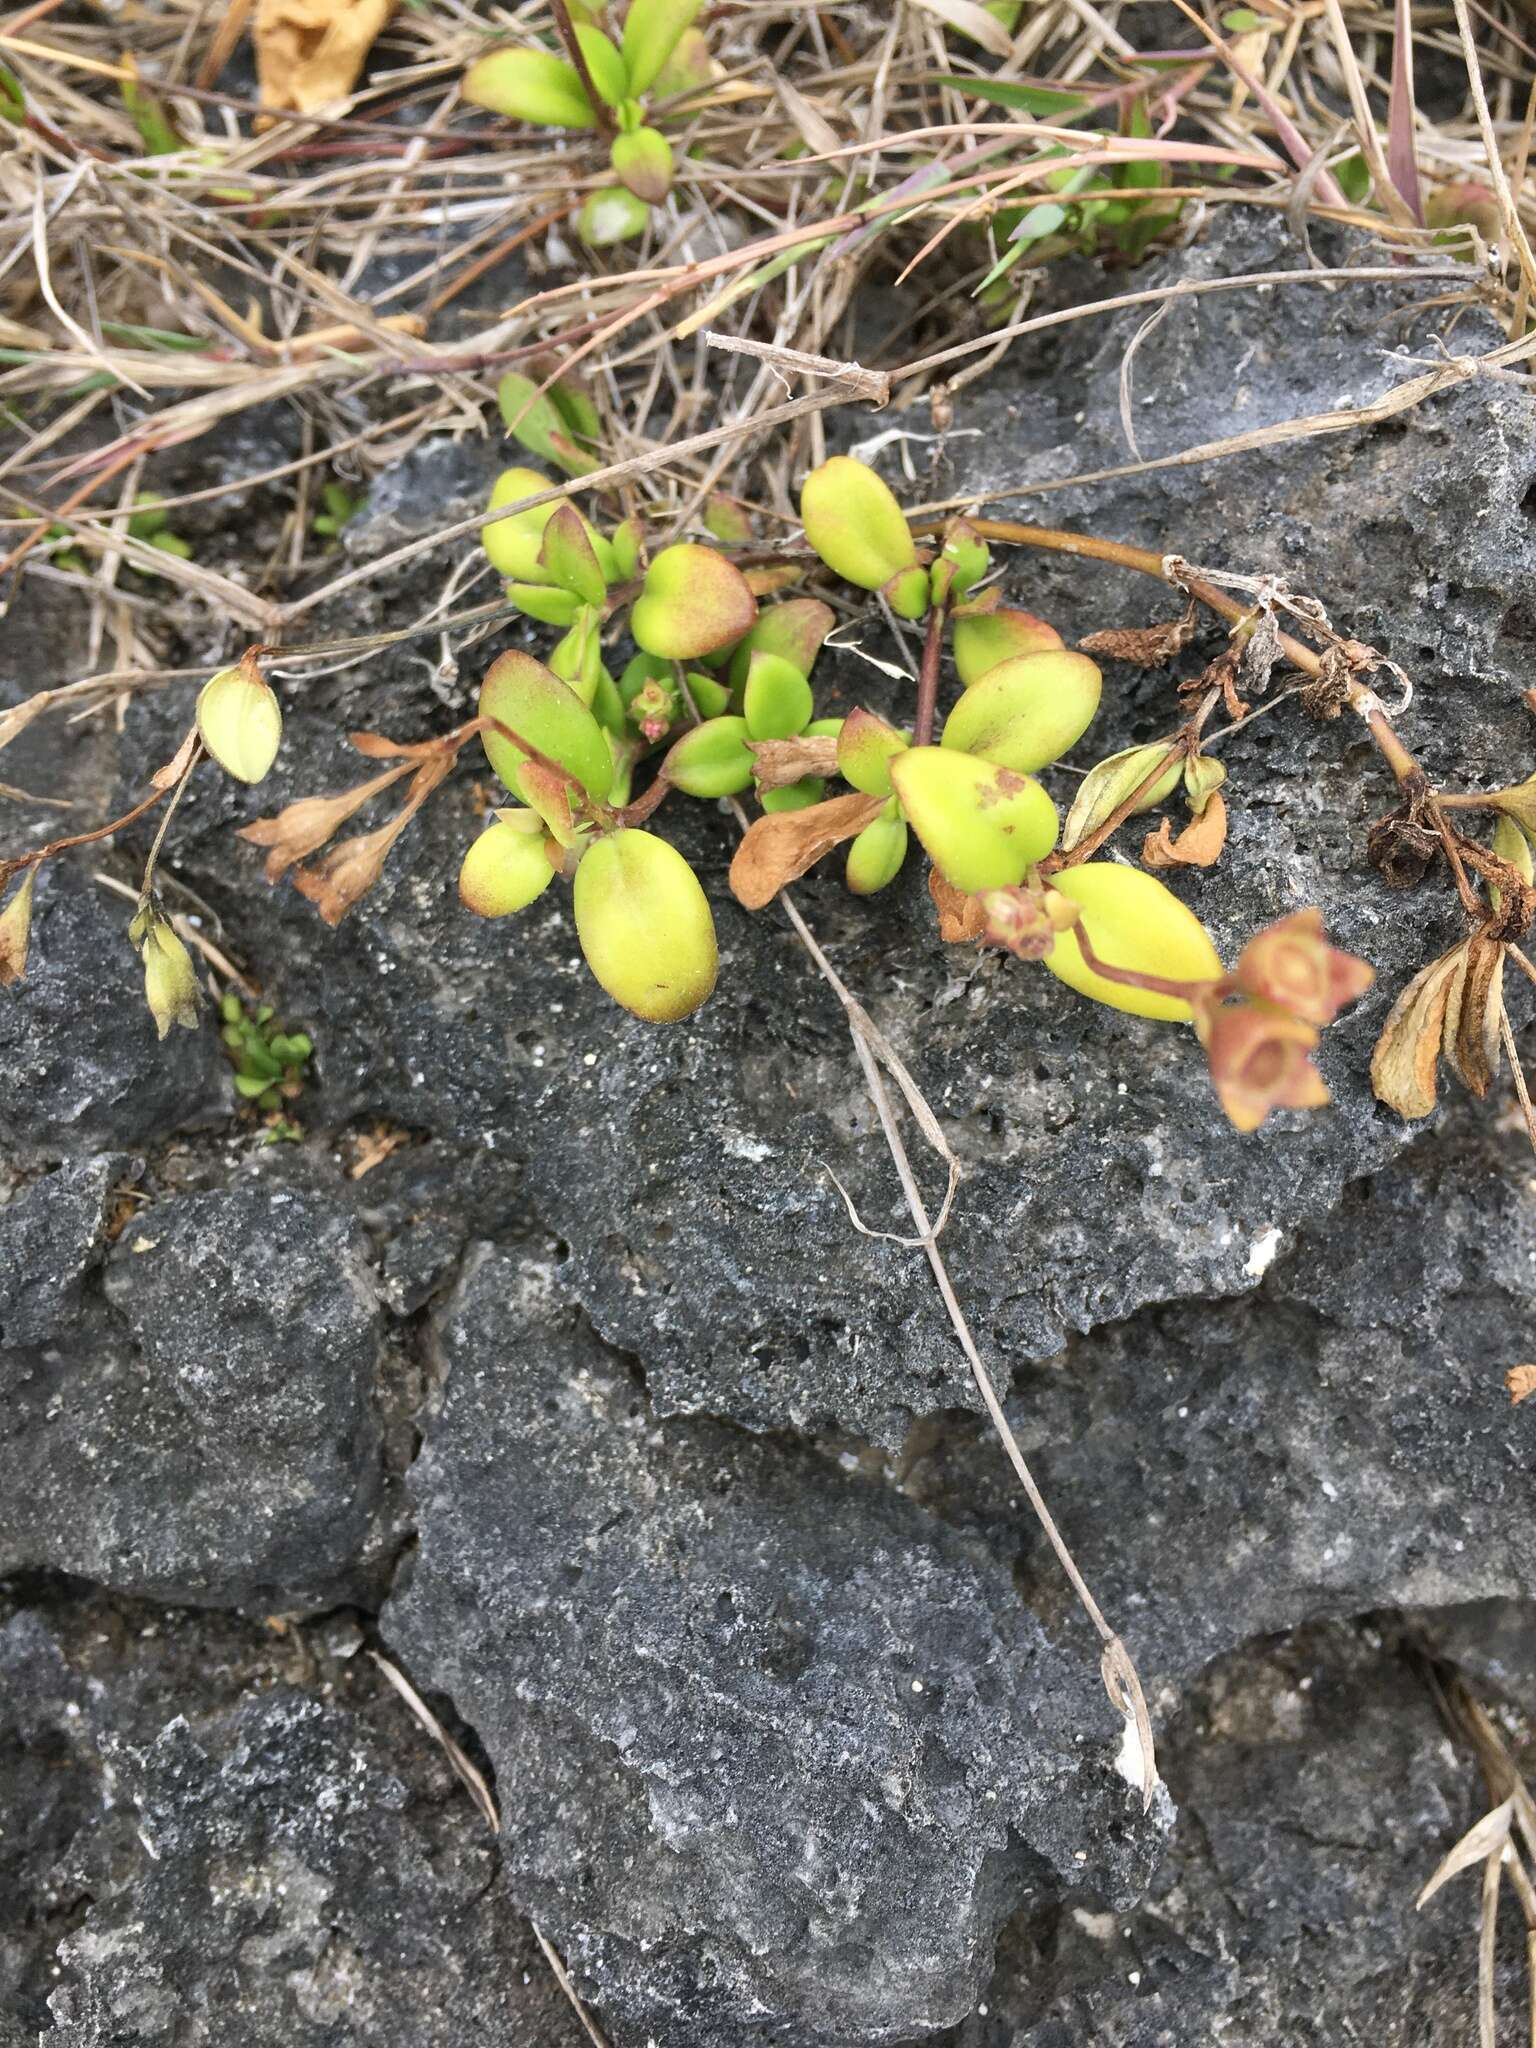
{"points": [[1521, 1382], [302, 828], [1199, 845], [961, 917], [778, 763], [780, 847], [174, 769], [1476, 1001], [309, 52], [1408, 1050], [1143, 646]]}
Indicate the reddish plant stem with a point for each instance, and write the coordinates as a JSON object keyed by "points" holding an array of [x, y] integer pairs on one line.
{"points": [[606, 125], [928, 678], [1154, 984], [22, 861]]}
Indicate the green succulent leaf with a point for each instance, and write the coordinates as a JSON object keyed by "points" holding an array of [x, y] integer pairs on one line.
{"points": [[609, 72], [506, 868], [713, 760], [513, 544], [652, 31], [569, 559], [642, 163], [611, 215], [545, 601], [794, 630], [537, 421], [982, 826], [777, 698], [524, 696], [855, 525], [1134, 922], [983, 639], [694, 601], [645, 926], [876, 854], [794, 796], [529, 85], [1027, 711], [865, 748]]}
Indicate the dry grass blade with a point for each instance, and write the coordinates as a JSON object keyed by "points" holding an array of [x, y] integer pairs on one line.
{"points": [[1483, 1840]]}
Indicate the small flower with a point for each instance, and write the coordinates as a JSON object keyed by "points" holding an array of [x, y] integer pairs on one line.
{"points": [[1291, 965], [1260, 1059]]}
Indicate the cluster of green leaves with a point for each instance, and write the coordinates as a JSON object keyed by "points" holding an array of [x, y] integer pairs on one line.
{"points": [[659, 53], [337, 507], [269, 1063], [725, 687]]}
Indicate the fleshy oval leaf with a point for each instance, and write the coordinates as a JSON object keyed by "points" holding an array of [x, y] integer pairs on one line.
{"points": [[777, 698], [876, 855], [610, 74], [693, 602], [866, 746], [645, 926], [642, 163], [794, 629], [1132, 921], [537, 421], [240, 721], [529, 85], [526, 698], [652, 31], [983, 639], [611, 214], [854, 523], [982, 826], [568, 558], [513, 543], [1028, 711], [505, 869], [713, 760]]}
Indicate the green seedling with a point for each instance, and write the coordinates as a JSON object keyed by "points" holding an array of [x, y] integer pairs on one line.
{"points": [[338, 506], [599, 84], [269, 1062]]}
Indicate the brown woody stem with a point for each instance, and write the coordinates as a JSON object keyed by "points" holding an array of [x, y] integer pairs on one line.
{"points": [[928, 678]]}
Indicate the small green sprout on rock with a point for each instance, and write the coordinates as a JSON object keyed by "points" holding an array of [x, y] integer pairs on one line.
{"points": [[269, 1063], [337, 507], [600, 84]]}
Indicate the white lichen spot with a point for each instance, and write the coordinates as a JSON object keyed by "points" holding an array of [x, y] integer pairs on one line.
{"points": [[1261, 1253]]}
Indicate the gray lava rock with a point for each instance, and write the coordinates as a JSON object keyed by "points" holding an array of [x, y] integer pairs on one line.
{"points": [[1343, 1442], [84, 1071], [215, 1438], [217, 1833], [49, 1240], [776, 1753], [1317, 1792], [688, 1169]]}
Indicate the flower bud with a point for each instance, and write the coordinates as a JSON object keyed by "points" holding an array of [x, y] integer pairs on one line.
{"points": [[1132, 922], [694, 601], [982, 639], [777, 698], [529, 85], [240, 721], [645, 926], [1016, 920], [983, 827], [856, 526], [525, 697], [611, 215], [642, 163], [652, 31], [1027, 711], [170, 980], [711, 761], [506, 868], [16, 930], [1106, 786], [876, 854]]}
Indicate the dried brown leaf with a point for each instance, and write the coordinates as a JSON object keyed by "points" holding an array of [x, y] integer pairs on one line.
{"points": [[1485, 1839], [309, 52], [303, 827], [1471, 1043], [780, 847], [778, 763], [1408, 1050], [1199, 845], [1521, 1382], [961, 917], [1143, 646], [174, 769]]}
